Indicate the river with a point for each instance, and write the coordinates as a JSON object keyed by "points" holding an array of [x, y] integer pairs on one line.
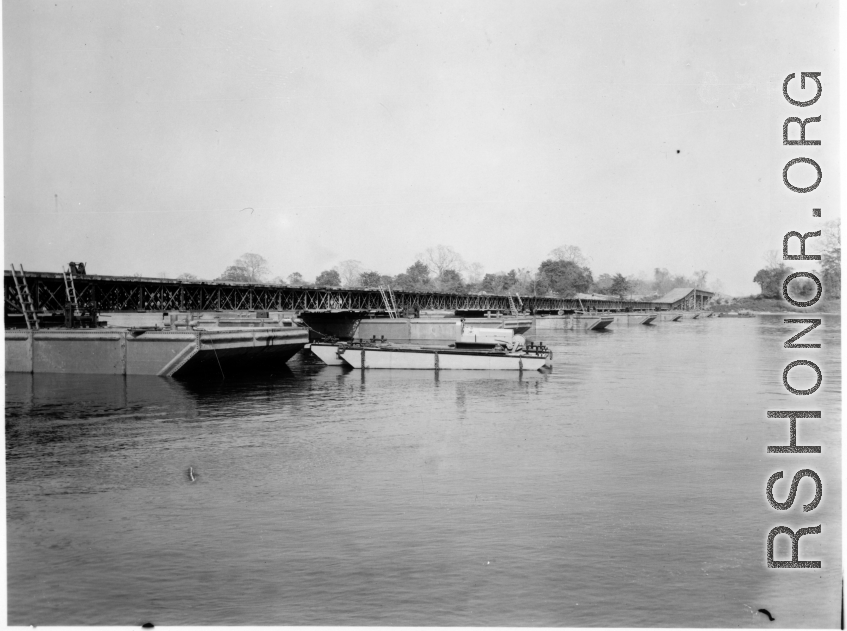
{"points": [[623, 488]]}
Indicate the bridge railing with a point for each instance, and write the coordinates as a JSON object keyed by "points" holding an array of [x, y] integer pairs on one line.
{"points": [[118, 293]]}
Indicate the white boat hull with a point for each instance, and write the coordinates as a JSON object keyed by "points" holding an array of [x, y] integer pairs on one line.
{"points": [[424, 359], [327, 353]]}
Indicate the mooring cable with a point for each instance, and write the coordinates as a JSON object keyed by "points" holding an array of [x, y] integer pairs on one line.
{"points": [[216, 358]]}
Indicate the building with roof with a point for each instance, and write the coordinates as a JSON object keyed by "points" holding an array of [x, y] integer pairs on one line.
{"points": [[685, 299], [597, 297]]}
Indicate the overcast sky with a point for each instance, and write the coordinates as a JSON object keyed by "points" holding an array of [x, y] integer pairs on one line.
{"points": [[172, 136]]}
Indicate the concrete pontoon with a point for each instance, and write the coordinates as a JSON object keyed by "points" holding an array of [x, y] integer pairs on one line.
{"points": [[588, 322], [629, 319], [151, 351]]}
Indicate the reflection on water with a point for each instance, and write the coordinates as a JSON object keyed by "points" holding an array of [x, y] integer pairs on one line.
{"points": [[624, 487]]}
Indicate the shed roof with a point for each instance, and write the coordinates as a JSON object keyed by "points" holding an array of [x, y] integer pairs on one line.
{"points": [[675, 295], [596, 297]]}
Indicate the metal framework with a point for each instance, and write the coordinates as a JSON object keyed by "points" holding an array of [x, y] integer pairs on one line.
{"points": [[690, 299], [119, 293]]}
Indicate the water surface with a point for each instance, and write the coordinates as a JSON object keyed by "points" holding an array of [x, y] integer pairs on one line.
{"points": [[624, 488]]}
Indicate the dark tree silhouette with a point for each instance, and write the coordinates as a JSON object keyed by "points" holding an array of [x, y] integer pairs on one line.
{"points": [[620, 286], [328, 278], [370, 279], [566, 278]]}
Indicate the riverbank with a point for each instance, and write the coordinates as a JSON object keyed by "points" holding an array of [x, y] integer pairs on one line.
{"points": [[774, 305]]}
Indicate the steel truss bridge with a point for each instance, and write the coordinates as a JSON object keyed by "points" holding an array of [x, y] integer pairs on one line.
{"points": [[121, 293]]}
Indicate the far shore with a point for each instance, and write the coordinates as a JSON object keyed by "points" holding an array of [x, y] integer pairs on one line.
{"points": [[774, 306]]}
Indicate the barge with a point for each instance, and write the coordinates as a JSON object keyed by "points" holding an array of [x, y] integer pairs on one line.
{"points": [[348, 326], [147, 351], [474, 349], [366, 357]]}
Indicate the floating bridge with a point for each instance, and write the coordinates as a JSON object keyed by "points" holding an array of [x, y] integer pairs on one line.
{"points": [[137, 294]]}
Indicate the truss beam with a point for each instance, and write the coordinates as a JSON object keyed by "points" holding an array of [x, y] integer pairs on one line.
{"points": [[116, 293]]}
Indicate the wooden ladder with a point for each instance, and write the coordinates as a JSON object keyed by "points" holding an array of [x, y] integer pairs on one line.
{"points": [[70, 290], [520, 302], [388, 299], [393, 301], [25, 298], [512, 305]]}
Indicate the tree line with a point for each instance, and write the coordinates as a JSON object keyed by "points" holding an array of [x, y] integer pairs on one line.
{"points": [[770, 277], [564, 273]]}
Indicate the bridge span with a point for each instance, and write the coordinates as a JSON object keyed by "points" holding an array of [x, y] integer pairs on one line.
{"points": [[137, 294]]}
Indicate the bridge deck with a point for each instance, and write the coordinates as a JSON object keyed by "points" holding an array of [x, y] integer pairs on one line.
{"points": [[130, 293]]}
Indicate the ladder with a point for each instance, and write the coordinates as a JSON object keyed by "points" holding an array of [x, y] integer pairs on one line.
{"points": [[512, 305], [388, 299], [70, 290], [393, 301], [25, 298]]}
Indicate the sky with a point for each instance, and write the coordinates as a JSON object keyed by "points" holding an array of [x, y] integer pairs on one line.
{"points": [[163, 137]]}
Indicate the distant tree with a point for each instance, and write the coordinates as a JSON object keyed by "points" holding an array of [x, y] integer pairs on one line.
{"points": [[248, 268], [523, 278], [661, 281], [620, 286], [474, 273], [770, 280], [566, 278], [773, 259], [570, 253], [236, 273], [640, 286], [523, 281], [256, 266], [772, 277], [490, 284], [681, 280], [186, 276], [278, 280], [541, 285], [370, 279], [349, 272], [831, 259], [803, 288], [296, 278], [442, 257], [403, 282], [328, 278], [451, 281], [664, 281], [415, 278], [503, 282], [603, 284], [418, 274]]}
